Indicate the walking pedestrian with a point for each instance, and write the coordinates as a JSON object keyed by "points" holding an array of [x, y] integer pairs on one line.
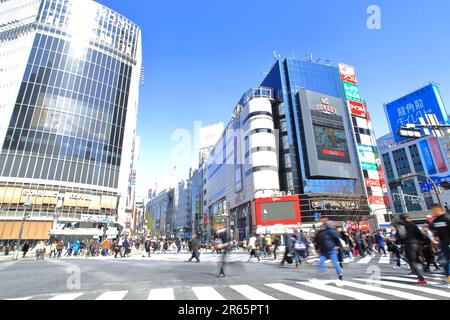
{"points": [[193, 247], [252, 247], [25, 248], [441, 226], [326, 242], [380, 241], [276, 244], [410, 236], [429, 252]]}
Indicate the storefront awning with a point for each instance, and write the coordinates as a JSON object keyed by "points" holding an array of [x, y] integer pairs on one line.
{"points": [[32, 230]]}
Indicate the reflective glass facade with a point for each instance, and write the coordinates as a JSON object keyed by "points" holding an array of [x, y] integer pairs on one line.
{"points": [[74, 111], [288, 77]]}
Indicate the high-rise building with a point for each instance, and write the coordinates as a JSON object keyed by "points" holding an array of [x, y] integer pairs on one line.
{"points": [[327, 147], [69, 85], [427, 156]]}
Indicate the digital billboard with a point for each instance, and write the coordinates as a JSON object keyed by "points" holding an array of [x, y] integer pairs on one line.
{"points": [[327, 136], [331, 143], [278, 210], [412, 107]]}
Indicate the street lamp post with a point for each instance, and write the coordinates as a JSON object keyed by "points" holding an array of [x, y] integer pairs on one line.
{"points": [[27, 206]]}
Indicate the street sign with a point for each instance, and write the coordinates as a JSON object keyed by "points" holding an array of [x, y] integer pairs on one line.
{"points": [[425, 187], [316, 216]]}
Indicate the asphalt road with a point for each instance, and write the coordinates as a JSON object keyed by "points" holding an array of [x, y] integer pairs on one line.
{"points": [[169, 276]]}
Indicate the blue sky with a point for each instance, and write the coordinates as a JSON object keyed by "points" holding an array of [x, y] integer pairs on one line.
{"points": [[201, 55]]}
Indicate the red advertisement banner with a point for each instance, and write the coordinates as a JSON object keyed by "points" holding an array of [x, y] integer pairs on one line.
{"points": [[376, 200], [437, 153], [357, 109], [333, 153], [373, 183]]}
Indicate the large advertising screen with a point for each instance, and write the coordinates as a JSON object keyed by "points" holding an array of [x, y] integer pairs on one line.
{"points": [[327, 135], [279, 210], [410, 108], [331, 144]]}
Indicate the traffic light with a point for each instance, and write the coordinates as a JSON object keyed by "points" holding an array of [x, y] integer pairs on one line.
{"points": [[445, 185], [396, 183]]}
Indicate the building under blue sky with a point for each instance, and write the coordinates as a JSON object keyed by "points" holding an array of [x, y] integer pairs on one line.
{"points": [[199, 57]]}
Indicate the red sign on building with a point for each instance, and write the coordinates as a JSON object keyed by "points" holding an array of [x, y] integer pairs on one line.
{"points": [[373, 183], [277, 211], [376, 200], [357, 109], [333, 153]]}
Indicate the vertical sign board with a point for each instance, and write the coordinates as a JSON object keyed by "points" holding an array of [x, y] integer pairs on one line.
{"points": [[438, 156], [427, 157], [367, 152]]}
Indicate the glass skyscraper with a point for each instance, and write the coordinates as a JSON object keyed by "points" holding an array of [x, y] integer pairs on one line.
{"points": [[341, 195], [69, 97]]}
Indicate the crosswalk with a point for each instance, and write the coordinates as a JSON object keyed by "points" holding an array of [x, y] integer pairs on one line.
{"points": [[244, 258], [385, 288]]}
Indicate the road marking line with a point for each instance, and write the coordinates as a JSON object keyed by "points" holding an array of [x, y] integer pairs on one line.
{"points": [[392, 292], [20, 299], [406, 279], [112, 295], [407, 287], [252, 293], [431, 276], [67, 296], [207, 293], [161, 294], [305, 295], [340, 291], [385, 260], [365, 260]]}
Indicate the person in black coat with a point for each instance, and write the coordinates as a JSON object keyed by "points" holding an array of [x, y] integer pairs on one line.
{"points": [[193, 246], [410, 236], [25, 248]]}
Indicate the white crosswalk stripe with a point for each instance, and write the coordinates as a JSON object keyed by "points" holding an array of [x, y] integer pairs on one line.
{"points": [[252, 293], [385, 260], [391, 292], [112, 295], [386, 288], [365, 260], [340, 291], [20, 299], [207, 293], [161, 294], [67, 296], [296, 292], [408, 279], [423, 289]]}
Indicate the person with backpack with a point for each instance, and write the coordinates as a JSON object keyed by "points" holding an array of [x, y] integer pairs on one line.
{"points": [[298, 248], [441, 226], [410, 236]]}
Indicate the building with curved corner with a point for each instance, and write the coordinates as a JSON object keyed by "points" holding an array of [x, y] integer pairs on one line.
{"points": [[69, 86], [243, 166]]}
